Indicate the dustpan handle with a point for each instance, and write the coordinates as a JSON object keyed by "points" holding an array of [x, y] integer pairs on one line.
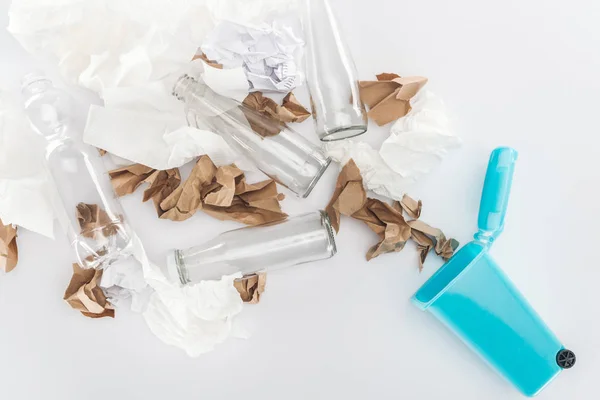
{"points": [[496, 191]]}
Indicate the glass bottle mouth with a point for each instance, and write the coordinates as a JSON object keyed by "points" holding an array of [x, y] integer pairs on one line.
{"points": [[331, 236], [34, 82], [185, 84]]}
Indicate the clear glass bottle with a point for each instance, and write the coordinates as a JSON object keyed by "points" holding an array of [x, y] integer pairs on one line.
{"points": [[248, 250], [95, 227], [331, 76], [287, 156]]}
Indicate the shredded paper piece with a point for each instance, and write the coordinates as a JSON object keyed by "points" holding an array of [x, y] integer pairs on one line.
{"points": [[251, 287], [85, 295], [9, 252], [388, 98], [387, 221]]}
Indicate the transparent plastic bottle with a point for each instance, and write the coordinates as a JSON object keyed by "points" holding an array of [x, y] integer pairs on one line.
{"points": [[248, 250], [287, 157], [96, 227]]}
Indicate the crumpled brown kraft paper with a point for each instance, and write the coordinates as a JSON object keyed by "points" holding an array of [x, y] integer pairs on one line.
{"points": [[410, 206], [127, 179], [267, 118], [184, 201], [251, 287], [387, 221], [349, 195], [388, 98], [443, 247], [161, 185], [85, 295], [9, 252], [224, 194], [94, 221]]}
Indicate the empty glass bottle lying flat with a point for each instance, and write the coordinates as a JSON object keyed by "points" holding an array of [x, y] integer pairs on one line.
{"points": [[248, 250], [278, 151], [96, 226]]}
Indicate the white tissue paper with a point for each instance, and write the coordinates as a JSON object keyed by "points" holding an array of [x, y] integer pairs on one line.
{"points": [[377, 176], [420, 140], [100, 44], [249, 12], [417, 143], [269, 52], [194, 318], [26, 195]]}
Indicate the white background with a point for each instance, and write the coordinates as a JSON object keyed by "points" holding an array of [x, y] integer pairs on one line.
{"points": [[523, 73]]}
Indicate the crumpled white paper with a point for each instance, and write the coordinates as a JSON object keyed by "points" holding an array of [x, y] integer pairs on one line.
{"points": [[100, 44], [27, 197], [124, 279], [417, 143], [420, 140], [194, 318], [269, 52]]}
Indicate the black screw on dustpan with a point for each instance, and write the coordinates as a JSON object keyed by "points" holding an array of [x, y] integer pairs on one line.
{"points": [[565, 358]]}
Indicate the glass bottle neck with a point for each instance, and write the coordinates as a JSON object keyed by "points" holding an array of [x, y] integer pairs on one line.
{"points": [[200, 98], [33, 84]]}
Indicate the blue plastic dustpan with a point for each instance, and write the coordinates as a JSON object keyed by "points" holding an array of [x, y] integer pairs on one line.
{"points": [[473, 297]]}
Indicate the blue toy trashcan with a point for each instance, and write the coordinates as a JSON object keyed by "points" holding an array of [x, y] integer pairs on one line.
{"points": [[473, 297]]}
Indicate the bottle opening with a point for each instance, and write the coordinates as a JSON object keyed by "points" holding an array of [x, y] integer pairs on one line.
{"points": [[34, 82]]}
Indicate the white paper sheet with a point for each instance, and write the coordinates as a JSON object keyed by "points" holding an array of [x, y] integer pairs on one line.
{"points": [[158, 141], [26, 196], [148, 125], [231, 83]]}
